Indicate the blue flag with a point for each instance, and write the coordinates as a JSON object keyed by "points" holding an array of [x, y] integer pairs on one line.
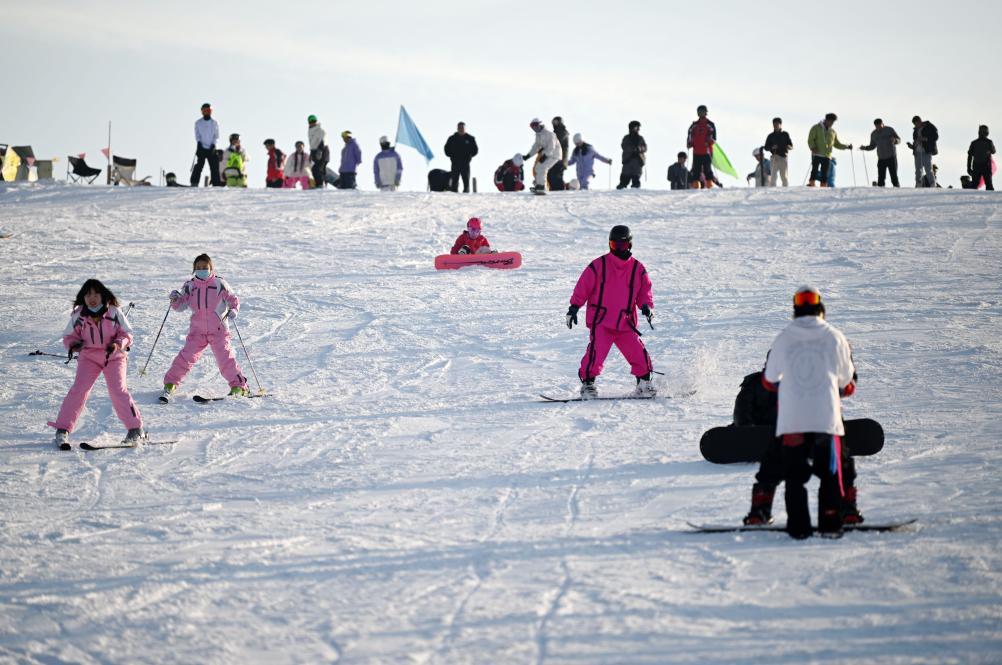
{"points": [[408, 134]]}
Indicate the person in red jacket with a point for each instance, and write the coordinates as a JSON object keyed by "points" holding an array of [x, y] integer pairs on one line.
{"points": [[275, 176], [614, 285], [471, 241], [702, 136]]}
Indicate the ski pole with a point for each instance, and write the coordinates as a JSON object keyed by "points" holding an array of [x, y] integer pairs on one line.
{"points": [[128, 309], [36, 352], [853, 161], [866, 170], [142, 372], [260, 390]]}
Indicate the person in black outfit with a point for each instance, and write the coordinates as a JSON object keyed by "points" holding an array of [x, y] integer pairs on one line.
{"points": [[171, 179], [678, 173], [461, 148], [779, 144], [979, 159], [884, 139], [634, 157], [555, 176]]}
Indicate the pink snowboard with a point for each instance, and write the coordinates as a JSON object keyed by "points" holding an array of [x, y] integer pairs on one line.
{"points": [[501, 260]]}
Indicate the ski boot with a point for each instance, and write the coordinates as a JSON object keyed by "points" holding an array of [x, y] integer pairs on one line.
{"points": [[761, 506], [168, 393], [239, 391], [62, 439], [644, 387], [134, 437], [588, 389], [850, 513]]}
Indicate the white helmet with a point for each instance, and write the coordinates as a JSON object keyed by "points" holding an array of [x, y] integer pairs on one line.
{"points": [[577, 139], [756, 152], [517, 159]]}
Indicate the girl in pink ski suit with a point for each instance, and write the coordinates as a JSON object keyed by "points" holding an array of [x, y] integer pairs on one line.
{"points": [[614, 286], [101, 335], [211, 301]]}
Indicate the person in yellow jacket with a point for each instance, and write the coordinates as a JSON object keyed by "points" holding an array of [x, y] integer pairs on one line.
{"points": [[821, 139]]}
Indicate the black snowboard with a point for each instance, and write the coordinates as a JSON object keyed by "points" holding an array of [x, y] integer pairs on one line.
{"points": [[727, 445], [865, 526]]}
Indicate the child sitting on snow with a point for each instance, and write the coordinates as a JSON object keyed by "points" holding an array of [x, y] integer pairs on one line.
{"points": [[470, 241]]}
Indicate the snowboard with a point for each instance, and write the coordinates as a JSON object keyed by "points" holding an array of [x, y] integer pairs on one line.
{"points": [[501, 261], [737, 528], [728, 445]]}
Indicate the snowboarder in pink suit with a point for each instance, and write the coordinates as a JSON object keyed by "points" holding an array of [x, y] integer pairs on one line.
{"points": [[614, 286], [99, 332], [211, 301]]}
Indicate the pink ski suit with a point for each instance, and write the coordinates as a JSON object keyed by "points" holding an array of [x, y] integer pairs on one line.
{"points": [[613, 288], [210, 301], [94, 336]]}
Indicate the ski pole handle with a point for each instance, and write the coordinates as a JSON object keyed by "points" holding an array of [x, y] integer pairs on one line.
{"points": [[142, 372]]}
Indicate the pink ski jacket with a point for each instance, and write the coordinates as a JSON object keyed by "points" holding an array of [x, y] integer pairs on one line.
{"points": [[97, 334], [613, 289], [209, 301]]}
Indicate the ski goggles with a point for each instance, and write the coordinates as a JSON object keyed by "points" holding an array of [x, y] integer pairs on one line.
{"points": [[620, 245], [806, 298]]}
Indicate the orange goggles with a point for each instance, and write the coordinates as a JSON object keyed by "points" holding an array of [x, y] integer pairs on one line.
{"points": [[806, 298], [620, 245]]}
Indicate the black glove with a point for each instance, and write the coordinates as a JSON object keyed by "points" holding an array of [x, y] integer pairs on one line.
{"points": [[74, 348], [464, 249], [526, 157], [572, 316], [648, 314]]}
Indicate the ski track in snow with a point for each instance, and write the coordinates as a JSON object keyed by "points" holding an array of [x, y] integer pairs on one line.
{"points": [[401, 495]]}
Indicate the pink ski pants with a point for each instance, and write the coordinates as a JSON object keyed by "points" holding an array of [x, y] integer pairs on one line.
{"points": [[290, 182], [89, 367], [601, 341], [194, 345]]}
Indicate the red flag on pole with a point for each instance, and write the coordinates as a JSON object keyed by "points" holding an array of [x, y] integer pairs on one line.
{"points": [[106, 152]]}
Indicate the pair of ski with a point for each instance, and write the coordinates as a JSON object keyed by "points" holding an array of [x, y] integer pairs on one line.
{"points": [[114, 446], [565, 400], [206, 400]]}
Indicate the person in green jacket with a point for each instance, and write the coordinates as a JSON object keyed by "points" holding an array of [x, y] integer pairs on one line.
{"points": [[821, 139]]}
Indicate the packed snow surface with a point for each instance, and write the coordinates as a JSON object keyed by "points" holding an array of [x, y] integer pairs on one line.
{"points": [[400, 496]]}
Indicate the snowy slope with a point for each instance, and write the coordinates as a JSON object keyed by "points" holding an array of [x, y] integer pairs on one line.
{"points": [[402, 498]]}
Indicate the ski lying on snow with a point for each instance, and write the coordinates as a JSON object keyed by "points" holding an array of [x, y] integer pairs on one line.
{"points": [[564, 400], [88, 446], [727, 528], [206, 400]]}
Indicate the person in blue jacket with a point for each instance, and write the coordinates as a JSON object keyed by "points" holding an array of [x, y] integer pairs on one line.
{"points": [[583, 157]]}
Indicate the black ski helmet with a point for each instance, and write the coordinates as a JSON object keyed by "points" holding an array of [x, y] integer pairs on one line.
{"points": [[621, 232]]}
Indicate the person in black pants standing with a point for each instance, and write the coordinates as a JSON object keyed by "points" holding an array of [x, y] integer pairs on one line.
{"points": [[979, 159], [884, 138], [461, 148], [206, 135]]}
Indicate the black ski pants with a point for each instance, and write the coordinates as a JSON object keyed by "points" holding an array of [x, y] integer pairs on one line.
{"points": [[702, 169], [819, 169], [555, 177], [460, 170], [319, 171], [202, 155], [885, 166], [979, 171], [627, 179]]}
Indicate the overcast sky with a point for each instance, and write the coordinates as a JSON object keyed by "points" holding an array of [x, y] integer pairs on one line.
{"points": [[71, 67]]}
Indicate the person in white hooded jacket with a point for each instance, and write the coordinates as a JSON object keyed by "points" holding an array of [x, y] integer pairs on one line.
{"points": [[548, 148], [811, 366]]}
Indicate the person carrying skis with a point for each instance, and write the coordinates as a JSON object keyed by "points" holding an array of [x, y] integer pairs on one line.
{"points": [[701, 137], [297, 168], [351, 157], [820, 141], [387, 167], [235, 163], [471, 241], [508, 177], [614, 285], [275, 177], [100, 334], [810, 365], [634, 157], [979, 159], [884, 139], [678, 173], [547, 148], [212, 302], [206, 135], [320, 152], [583, 158]]}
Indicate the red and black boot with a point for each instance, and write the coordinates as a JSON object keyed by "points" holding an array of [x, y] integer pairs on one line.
{"points": [[850, 513], [761, 505]]}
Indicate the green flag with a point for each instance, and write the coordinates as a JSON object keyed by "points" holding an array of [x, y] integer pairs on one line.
{"points": [[721, 163]]}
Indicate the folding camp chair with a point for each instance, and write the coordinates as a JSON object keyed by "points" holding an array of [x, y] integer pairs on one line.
{"points": [[80, 171], [123, 169]]}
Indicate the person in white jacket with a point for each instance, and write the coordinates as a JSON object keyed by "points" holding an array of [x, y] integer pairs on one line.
{"points": [[547, 147], [811, 366], [320, 152], [297, 168]]}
